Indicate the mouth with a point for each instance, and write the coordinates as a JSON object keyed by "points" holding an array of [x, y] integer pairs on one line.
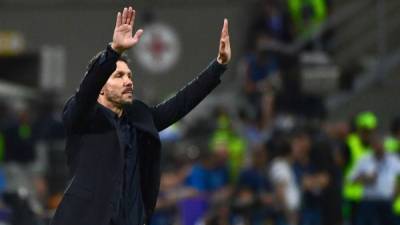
{"points": [[127, 91]]}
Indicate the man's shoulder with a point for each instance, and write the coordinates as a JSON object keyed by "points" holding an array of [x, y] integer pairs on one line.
{"points": [[139, 102], [138, 111]]}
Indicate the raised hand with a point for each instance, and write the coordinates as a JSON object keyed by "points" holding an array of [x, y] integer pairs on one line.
{"points": [[224, 54], [122, 38]]}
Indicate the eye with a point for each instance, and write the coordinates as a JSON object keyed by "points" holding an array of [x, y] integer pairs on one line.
{"points": [[119, 75]]}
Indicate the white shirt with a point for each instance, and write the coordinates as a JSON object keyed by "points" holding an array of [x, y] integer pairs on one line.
{"points": [[387, 171], [281, 173]]}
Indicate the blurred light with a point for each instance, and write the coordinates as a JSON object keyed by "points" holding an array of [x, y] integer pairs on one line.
{"points": [[11, 43]]}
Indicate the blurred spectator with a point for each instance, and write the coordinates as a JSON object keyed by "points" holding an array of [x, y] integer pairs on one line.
{"points": [[392, 143], [210, 179], [254, 198], [228, 144], [327, 157], [358, 144], [257, 129], [19, 144], [261, 66], [221, 215], [49, 166], [307, 15], [270, 21], [309, 178], [172, 192], [286, 190], [378, 172]]}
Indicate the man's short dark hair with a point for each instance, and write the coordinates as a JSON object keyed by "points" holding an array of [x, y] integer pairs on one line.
{"points": [[123, 57]]}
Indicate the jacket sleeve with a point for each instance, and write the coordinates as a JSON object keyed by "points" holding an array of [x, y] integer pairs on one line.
{"points": [[173, 109], [83, 101]]}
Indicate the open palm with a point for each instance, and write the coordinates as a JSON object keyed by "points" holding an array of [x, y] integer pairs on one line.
{"points": [[123, 38], [224, 54]]}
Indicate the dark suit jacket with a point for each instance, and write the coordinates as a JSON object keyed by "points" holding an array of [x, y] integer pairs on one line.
{"points": [[94, 156]]}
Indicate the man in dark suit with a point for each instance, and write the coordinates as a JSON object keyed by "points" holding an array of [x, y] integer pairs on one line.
{"points": [[113, 147]]}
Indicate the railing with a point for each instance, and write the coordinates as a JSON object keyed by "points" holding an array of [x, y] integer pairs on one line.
{"points": [[373, 33]]}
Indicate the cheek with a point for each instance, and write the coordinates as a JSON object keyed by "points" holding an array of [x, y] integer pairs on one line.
{"points": [[110, 91], [112, 87]]}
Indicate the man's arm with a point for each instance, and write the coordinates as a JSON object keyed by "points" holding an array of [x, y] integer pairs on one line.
{"points": [[99, 70], [83, 101], [170, 111]]}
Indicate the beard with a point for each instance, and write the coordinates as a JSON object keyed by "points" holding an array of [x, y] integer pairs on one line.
{"points": [[119, 99]]}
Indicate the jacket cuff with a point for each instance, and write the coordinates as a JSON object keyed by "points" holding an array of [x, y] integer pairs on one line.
{"points": [[108, 54], [111, 52], [218, 68]]}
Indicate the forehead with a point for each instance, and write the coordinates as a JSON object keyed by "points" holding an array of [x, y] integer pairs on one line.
{"points": [[122, 66]]}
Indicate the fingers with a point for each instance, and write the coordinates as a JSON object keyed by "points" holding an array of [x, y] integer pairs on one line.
{"points": [[133, 16], [226, 27], [224, 54], [225, 35], [137, 36], [126, 17], [118, 20], [224, 32]]}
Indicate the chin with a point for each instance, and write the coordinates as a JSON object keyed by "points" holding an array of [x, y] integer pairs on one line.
{"points": [[127, 101]]}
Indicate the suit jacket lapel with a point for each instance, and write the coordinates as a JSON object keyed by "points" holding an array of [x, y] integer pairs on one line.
{"points": [[141, 118]]}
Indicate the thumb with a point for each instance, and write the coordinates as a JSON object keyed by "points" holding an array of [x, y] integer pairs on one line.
{"points": [[138, 34]]}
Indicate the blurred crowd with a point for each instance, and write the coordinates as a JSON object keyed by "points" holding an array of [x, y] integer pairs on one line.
{"points": [[269, 157]]}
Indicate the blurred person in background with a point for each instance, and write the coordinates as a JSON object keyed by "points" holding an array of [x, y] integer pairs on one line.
{"points": [[254, 200], [307, 15], [256, 129], [327, 156], [378, 171], [269, 31], [285, 189], [221, 215], [358, 143], [271, 19], [19, 147], [172, 192], [50, 159], [113, 146], [260, 73], [210, 178], [23, 170], [310, 178], [392, 142], [227, 142]]}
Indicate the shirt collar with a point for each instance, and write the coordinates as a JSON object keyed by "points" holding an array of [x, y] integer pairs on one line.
{"points": [[112, 115]]}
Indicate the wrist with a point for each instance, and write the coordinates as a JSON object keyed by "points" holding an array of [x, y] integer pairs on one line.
{"points": [[116, 48], [220, 61]]}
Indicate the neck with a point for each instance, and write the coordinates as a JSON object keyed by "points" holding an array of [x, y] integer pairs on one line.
{"points": [[116, 108]]}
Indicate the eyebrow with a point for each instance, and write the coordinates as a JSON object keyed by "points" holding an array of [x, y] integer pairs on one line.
{"points": [[122, 71]]}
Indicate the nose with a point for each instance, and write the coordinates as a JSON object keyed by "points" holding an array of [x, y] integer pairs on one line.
{"points": [[128, 82]]}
